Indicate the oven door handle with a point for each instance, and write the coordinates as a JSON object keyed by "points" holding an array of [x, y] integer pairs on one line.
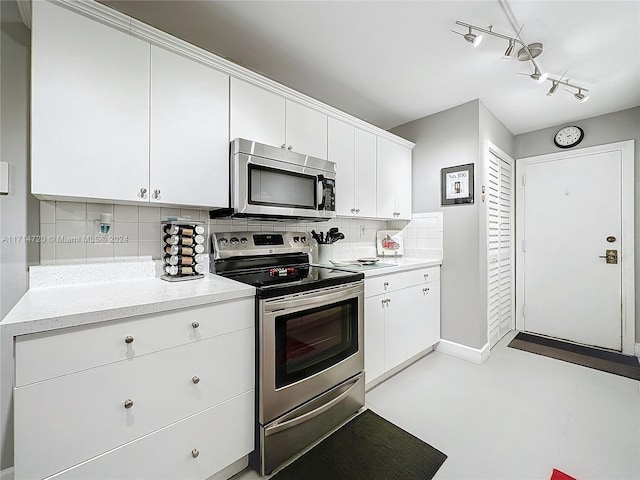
{"points": [[278, 427], [314, 299]]}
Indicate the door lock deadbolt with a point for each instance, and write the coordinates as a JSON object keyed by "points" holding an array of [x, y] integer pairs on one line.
{"points": [[611, 256]]}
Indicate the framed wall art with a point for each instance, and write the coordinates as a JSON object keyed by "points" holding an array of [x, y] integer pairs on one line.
{"points": [[456, 185]]}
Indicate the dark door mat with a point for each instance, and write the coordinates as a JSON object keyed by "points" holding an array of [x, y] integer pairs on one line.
{"points": [[367, 448], [610, 362]]}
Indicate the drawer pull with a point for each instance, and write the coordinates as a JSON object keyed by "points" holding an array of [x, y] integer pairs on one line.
{"points": [[195, 453], [128, 403], [385, 284], [128, 339], [425, 290], [195, 324], [426, 276], [195, 379]]}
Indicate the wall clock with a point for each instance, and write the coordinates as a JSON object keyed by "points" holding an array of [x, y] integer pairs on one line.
{"points": [[568, 137]]}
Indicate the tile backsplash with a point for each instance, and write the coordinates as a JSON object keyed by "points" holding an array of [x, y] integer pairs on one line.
{"points": [[70, 232]]}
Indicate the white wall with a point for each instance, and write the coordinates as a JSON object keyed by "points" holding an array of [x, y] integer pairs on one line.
{"points": [[454, 137], [442, 140], [18, 217], [603, 129]]}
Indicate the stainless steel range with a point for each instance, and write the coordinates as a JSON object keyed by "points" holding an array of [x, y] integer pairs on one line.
{"points": [[309, 345]]}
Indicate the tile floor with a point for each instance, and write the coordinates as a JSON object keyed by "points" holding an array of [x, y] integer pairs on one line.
{"points": [[516, 417]]}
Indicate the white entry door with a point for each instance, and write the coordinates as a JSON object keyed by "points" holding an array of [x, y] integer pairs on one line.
{"points": [[572, 215]]}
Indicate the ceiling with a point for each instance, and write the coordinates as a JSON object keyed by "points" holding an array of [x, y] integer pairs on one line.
{"points": [[391, 62]]}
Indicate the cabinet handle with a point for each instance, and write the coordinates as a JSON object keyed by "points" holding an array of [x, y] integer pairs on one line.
{"points": [[386, 301], [143, 193], [425, 290], [357, 210], [290, 147], [195, 379], [128, 339], [195, 324], [156, 194], [353, 210], [128, 403], [283, 146], [385, 285], [195, 453], [426, 276]]}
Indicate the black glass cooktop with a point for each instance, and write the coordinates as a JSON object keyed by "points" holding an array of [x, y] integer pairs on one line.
{"points": [[285, 279]]}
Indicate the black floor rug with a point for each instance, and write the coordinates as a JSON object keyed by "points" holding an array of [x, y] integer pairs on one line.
{"points": [[367, 448], [611, 362]]}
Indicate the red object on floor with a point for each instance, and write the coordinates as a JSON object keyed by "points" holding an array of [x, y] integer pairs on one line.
{"points": [[558, 475]]}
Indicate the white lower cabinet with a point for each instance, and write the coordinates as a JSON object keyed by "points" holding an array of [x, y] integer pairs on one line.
{"points": [[109, 412], [401, 322], [193, 448]]}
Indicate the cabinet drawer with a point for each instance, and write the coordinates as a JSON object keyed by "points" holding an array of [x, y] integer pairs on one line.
{"points": [[47, 355], [396, 281], [220, 436], [70, 419]]}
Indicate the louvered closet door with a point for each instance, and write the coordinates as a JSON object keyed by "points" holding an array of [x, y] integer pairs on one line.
{"points": [[499, 244]]}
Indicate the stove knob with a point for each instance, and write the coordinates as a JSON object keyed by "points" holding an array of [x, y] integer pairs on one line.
{"points": [[234, 241], [223, 241], [243, 240], [296, 239], [303, 239]]}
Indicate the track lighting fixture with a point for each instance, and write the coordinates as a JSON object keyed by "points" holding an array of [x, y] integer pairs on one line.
{"points": [[527, 53]]}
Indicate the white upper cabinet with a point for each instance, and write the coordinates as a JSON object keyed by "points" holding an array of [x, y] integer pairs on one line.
{"points": [[114, 118], [306, 130], [341, 150], [90, 108], [256, 114], [365, 174], [394, 180], [264, 117], [189, 132]]}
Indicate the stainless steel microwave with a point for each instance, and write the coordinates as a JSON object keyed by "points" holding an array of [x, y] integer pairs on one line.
{"points": [[271, 182]]}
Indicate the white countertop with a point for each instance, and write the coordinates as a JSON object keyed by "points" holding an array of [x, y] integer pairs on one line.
{"points": [[387, 266], [53, 307]]}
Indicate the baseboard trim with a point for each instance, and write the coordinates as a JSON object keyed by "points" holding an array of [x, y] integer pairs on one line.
{"points": [[6, 474], [470, 354]]}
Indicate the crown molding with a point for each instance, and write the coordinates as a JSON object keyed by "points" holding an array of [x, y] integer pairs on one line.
{"points": [[108, 16]]}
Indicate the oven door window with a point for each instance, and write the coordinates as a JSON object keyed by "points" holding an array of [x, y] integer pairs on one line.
{"points": [[313, 340], [281, 188]]}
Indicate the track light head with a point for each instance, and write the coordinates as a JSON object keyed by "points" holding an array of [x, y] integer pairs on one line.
{"points": [[509, 51], [473, 38], [538, 76], [553, 88], [581, 96]]}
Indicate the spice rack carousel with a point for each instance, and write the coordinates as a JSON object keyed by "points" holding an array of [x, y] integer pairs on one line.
{"points": [[183, 250]]}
